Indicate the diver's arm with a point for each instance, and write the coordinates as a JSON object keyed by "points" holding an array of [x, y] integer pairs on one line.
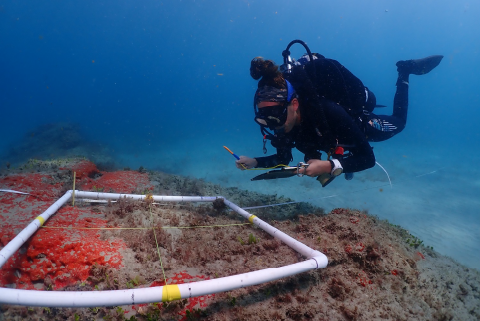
{"points": [[354, 163], [282, 157], [360, 159], [245, 162], [317, 167], [361, 156], [268, 161]]}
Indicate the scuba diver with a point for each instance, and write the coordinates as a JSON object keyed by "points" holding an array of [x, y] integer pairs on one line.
{"points": [[317, 105]]}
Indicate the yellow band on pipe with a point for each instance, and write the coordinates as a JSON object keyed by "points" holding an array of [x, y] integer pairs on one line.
{"points": [[171, 292], [251, 218], [41, 220]]}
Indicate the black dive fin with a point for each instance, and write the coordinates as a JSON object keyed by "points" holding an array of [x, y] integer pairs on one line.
{"points": [[419, 66]]}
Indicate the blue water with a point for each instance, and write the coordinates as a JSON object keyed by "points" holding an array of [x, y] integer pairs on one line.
{"points": [[166, 85]]}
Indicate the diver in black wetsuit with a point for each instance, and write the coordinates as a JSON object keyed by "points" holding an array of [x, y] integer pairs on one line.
{"points": [[324, 107]]}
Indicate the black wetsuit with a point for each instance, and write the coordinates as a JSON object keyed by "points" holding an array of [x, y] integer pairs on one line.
{"points": [[337, 111]]}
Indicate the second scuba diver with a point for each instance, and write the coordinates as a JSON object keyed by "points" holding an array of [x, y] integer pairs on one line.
{"points": [[316, 105]]}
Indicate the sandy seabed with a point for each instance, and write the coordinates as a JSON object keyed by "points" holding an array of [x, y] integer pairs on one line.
{"points": [[376, 270]]}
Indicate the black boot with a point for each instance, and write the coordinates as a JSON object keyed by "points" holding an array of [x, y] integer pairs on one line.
{"points": [[418, 66]]}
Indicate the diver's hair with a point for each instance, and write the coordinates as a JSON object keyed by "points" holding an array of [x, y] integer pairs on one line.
{"points": [[268, 71]]}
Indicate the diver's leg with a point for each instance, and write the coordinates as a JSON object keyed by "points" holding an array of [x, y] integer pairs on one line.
{"points": [[382, 127], [400, 100], [405, 68]]}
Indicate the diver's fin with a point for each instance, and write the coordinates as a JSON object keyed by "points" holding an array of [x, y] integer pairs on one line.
{"points": [[380, 106], [419, 66]]}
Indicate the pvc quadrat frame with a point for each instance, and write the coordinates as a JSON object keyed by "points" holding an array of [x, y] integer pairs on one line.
{"points": [[169, 292]]}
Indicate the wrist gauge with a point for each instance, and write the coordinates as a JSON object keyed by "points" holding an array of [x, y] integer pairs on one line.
{"points": [[337, 168]]}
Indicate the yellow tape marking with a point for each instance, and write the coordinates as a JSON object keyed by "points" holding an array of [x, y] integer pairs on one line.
{"points": [[73, 193], [41, 219], [171, 292], [251, 218]]}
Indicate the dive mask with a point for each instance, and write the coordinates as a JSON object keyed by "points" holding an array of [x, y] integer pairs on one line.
{"points": [[273, 116]]}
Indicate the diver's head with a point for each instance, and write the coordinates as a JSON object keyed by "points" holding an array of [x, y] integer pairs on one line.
{"points": [[275, 101]]}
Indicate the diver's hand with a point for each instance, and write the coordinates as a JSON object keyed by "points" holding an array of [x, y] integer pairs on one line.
{"points": [[246, 162], [317, 167]]}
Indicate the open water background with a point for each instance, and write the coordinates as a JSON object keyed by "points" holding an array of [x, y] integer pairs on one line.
{"points": [[165, 84]]}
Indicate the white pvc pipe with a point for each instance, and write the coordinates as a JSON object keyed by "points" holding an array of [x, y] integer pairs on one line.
{"points": [[31, 228], [25, 234], [290, 241], [12, 191], [114, 196], [147, 295], [155, 294]]}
